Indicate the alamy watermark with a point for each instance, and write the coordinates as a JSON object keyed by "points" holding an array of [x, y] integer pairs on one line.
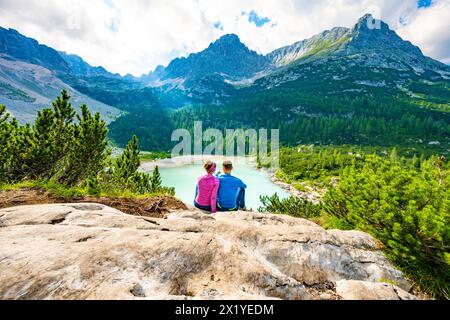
{"points": [[374, 23], [229, 143]]}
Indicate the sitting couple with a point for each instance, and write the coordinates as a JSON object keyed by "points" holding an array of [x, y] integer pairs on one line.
{"points": [[220, 192]]}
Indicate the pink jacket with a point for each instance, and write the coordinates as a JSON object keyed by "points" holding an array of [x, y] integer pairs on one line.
{"points": [[208, 187]]}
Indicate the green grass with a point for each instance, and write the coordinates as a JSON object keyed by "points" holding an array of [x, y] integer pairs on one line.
{"points": [[383, 280], [54, 188], [321, 48], [64, 192], [425, 278]]}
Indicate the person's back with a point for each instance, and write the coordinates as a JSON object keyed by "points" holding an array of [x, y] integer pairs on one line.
{"points": [[207, 188], [231, 194]]}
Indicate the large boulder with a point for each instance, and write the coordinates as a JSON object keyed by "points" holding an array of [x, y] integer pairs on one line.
{"points": [[90, 251]]}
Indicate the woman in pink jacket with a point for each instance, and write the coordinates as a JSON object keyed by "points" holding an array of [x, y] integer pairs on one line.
{"points": [[207, 188]]}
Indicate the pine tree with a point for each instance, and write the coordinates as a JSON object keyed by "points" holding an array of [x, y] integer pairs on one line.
{"points": [[415, 162], [294, 206], [4, 116], [126, 175], [63, 127], [19, 146], [41, 156], [93, 185], [88, 150], [156, 182], [394, 155], [5, 131], [128, 163], [43, 149], [64, 112], [140, 183]]}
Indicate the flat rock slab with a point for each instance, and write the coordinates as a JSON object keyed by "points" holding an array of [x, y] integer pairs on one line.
{"points": [[91, 251]]}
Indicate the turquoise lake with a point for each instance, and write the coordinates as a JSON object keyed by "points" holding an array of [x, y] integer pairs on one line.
{"points": [[184, 178]]}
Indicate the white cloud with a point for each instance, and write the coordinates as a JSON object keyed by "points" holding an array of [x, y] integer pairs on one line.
{"points": [[134, 36], [429, 28]]}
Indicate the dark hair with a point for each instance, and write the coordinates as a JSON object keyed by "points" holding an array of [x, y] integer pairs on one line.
{"points": [[228, 165]]}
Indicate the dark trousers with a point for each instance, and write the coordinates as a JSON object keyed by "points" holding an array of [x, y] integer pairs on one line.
{"points": [[205, 208], [240, 203]]}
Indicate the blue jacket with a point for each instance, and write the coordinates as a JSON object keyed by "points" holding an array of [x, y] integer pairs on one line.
{"points": [[229, 190]]}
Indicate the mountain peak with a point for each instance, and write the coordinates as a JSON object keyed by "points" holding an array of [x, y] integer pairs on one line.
{"points": [[227, 41], [375, 35], [366, 17], [231, 37], [227, 56], [369, 23]]}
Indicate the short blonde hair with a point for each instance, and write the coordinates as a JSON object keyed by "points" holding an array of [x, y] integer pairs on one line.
{"points": [[228, 165]]}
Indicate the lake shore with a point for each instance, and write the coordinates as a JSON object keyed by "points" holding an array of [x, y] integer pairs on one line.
{"points": [[312, 195], [197, 159]]}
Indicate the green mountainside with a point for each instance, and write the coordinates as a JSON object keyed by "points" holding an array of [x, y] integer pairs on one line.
{"points": [[360, 85]]}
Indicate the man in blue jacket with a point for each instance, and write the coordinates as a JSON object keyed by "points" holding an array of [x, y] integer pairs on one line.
{"points": [[231, 196]]}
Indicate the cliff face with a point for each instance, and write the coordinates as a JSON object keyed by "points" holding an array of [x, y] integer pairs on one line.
{"points": [[90, 251]]}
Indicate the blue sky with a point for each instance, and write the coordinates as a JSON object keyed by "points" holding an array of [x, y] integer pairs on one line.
{"points": [[253, 17], [424, 3], [218, 25], [134, 36]]}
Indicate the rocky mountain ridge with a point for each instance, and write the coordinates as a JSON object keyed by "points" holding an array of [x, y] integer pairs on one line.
{"points": [[32, 75], [16, 46], [370, 37]]}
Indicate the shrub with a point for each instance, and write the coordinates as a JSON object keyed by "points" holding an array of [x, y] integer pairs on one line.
{"points": [[88, 151], [124, 174], [93, 186], [405, 208], [294, 206], [155, 181]]}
